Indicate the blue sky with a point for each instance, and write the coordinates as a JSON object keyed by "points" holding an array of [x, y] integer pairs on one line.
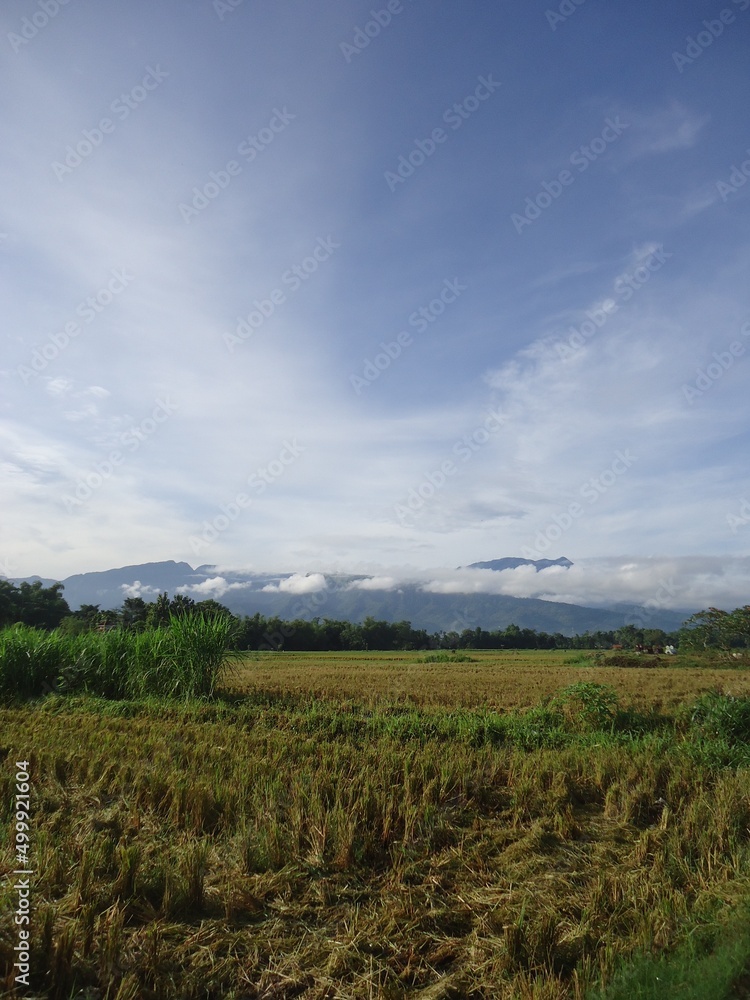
{"points": [[314, 290]]}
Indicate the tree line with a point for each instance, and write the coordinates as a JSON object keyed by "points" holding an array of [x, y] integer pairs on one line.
{"points": [[45, 607]]}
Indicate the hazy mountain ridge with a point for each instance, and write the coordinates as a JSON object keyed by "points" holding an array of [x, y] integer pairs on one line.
{"points": [[244, 594], [509, 562]]}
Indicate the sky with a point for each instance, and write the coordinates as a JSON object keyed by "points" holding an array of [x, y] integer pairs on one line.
{"points": [[378, 289]]}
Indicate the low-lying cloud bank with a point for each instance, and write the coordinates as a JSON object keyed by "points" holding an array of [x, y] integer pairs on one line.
{"points": [[683, 583], [298, 583], [686, 582], [215, 587]]}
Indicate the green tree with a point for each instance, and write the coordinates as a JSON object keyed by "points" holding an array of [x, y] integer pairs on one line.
{"points": [[134, 613], [40, 606], [9, 608], [88, 614], [181, 605], [709, 629], [629, 636], [717, 629], [159, 612], [212, 609]]}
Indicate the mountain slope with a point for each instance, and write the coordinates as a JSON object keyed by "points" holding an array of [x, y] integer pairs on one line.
{"points": [[513, 563], [244, 594]]}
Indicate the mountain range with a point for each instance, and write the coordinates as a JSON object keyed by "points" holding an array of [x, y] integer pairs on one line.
{"points": [[352, 597]]}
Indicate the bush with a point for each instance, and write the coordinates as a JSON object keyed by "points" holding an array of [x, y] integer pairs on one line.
{"points": [[725, 717], [631, 660], [587, 706]]}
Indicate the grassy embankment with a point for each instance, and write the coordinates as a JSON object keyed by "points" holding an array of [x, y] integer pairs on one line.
{"points": [[361, 826]]}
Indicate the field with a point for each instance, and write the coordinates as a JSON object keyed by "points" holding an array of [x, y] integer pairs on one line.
{"points": [[493, 679], [348, 826]]}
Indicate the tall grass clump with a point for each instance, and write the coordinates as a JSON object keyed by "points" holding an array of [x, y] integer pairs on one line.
{"points": [[183, 660], [96, 663], [30, 660], [588, 706], [195, 650]]}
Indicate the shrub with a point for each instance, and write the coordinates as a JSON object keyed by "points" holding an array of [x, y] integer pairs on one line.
{"points": [[587, 706], [721, 716]]}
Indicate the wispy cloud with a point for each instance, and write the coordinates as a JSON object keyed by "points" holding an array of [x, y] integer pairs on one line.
{"points": [[119, 305]]}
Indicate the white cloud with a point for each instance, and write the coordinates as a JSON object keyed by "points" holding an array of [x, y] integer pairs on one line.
{"points": [[138, 589], [676, 583], [161, 336], [374, 583], [299, 584], [214, 587]]}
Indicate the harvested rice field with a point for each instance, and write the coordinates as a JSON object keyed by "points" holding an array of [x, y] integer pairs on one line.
{"points": [[338, 827]]}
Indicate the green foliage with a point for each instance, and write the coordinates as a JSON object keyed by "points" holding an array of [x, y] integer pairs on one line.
{"points": [[195, 653], [717, 629], [588, 706], [183, 659], [445, 657], [29, 660], [705, 967], [32, 604], [721, 716], [585, 658]]}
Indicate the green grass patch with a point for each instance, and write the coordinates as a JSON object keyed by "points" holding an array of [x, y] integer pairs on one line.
{"points": [[711, 965], [445, 656]]}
